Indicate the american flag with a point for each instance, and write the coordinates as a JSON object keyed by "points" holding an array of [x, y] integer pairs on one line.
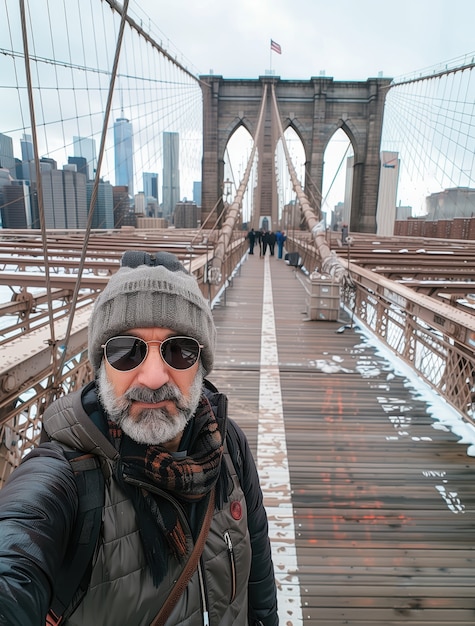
{"points": [[275, 47]]}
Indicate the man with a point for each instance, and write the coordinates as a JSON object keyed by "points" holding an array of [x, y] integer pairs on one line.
{"points": [[158, 429], [281, 238], [271, 241], [251, 235]]}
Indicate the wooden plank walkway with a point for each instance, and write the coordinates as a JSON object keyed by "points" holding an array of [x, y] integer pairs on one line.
{"points": [[377, 525]]}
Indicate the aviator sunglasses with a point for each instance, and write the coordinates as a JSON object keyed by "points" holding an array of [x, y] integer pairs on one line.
{"points": [[126, 352]]}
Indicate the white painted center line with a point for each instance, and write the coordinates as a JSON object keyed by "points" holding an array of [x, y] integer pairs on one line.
{"points": [[273, 467]]}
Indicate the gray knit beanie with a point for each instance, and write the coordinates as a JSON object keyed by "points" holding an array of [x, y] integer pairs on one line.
{"points": [[152, 291]]}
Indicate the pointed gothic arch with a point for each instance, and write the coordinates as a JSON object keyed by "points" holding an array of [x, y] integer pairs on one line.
{"points": [[313, 107]]}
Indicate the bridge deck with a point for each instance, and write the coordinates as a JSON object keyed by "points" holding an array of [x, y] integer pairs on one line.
{"points": [[382, 494]]}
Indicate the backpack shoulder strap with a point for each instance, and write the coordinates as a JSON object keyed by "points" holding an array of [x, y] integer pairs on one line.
{"points": [[220, 407], [234, 448], [74, 575]]}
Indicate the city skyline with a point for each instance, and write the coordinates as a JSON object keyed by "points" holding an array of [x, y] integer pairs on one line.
{"points": [[56, 216], [84, 147], [67, 188]]}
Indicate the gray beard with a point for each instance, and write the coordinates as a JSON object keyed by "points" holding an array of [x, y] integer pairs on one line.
{"points": [[150, 426]]}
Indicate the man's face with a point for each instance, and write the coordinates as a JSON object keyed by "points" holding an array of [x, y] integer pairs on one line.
{"points": [[153, 402]]}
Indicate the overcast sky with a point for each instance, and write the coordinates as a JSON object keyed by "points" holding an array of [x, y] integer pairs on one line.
{"points": [[346, 39]]}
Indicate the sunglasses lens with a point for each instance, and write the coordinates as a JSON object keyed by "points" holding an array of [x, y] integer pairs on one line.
{"points": [[180, 353], [125, 353]]}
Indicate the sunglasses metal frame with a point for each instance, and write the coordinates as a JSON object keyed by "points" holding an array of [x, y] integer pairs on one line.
{"points": [[158, 342]]}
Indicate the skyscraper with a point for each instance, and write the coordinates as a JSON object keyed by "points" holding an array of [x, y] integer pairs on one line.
{"points": [[104, 208], [26, 148], [13, 210], [81, 165], [124, 154], [86, 147], [64, 198], [187, 215], [150, 185], [171, 173], [387, 195], [197, 192], [27, 157], [123, 216], [7, 159]]}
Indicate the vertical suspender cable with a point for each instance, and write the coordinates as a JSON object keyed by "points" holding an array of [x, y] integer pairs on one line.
{"points": [[330, 262], [39, 186], [235, 208], [123, 21], [57, 366]]}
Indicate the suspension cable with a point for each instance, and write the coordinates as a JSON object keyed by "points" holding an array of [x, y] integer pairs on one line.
{"points": [[336, 173], [330, 262], [234, 209], [57, 370], [39, 185]]}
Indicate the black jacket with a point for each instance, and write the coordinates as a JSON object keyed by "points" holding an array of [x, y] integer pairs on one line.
{"points": [[39, 504]]}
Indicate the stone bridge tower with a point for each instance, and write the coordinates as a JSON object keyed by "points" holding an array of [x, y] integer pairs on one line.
{"points": [[315, 109]]}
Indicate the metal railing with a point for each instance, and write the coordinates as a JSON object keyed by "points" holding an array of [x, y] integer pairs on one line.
{"points": [[435, 339]]}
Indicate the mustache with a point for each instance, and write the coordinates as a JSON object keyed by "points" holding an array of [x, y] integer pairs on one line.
{"points": [[143, 394]]}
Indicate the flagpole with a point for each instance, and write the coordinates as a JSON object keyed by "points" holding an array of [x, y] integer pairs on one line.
{"points": [[270, 58]]}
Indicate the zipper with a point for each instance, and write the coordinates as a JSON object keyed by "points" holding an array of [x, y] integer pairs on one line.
{"points": [[182, 515], [204, 595], [232, 563]]}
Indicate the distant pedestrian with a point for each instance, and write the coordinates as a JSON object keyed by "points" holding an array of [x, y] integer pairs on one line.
{"points": [[259, 240], [271, 241], [281, 238], [265, 242], [251, 235]]}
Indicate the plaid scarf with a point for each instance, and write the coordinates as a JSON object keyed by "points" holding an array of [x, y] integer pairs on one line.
{"points": [[188, 479]]}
